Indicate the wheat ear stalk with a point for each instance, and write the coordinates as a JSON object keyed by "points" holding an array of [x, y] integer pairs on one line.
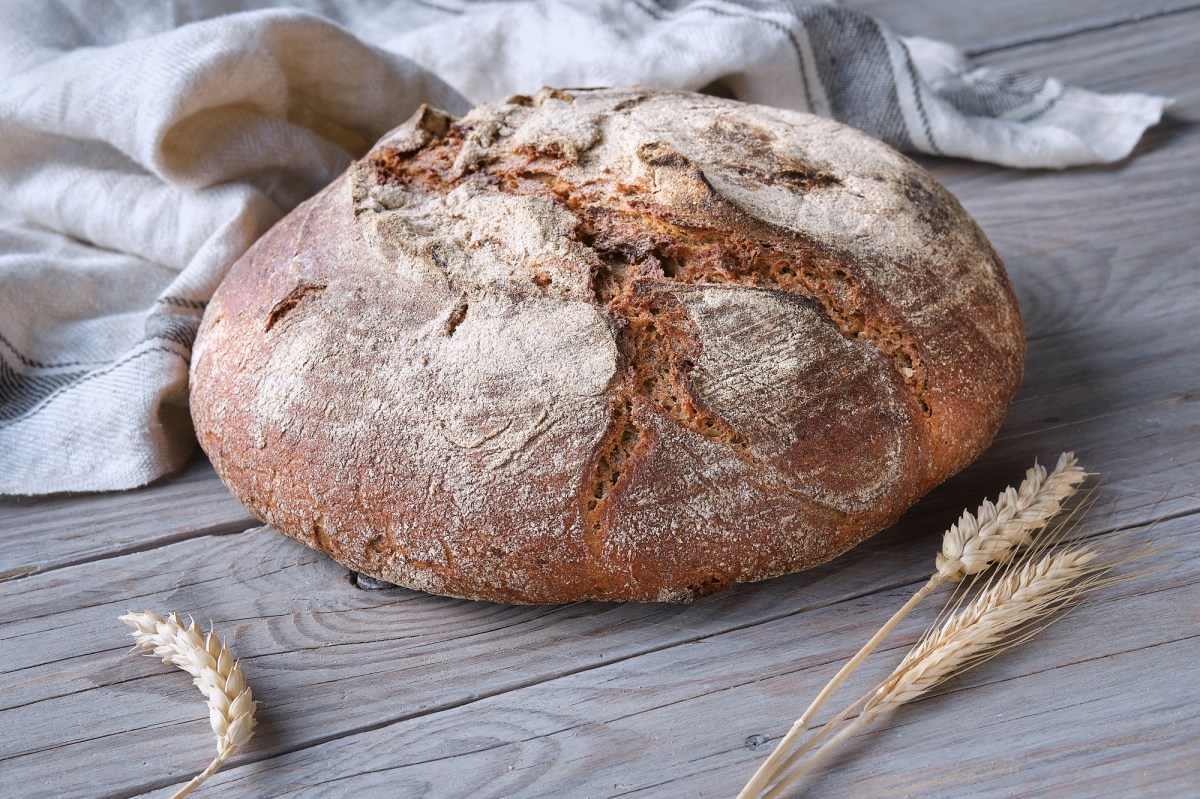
{"points": [[231, 704], [1005, 613], [993, 535]]}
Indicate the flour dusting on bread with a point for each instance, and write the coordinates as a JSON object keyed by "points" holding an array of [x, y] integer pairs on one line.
{"points": [[606, 344]]}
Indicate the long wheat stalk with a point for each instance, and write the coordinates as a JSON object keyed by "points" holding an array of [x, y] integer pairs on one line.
{"points": [[1008, 611], [231, 704], [991, 536]]}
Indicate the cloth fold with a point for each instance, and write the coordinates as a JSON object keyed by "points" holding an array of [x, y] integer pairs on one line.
{"points": [[143, 149]]}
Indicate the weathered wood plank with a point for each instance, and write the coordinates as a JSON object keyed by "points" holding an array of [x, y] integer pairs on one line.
{"points": [[65, 647], [313, 652], [1104, 261], [1150, 56], [976, 28], [40, 533], [1101, 688]]}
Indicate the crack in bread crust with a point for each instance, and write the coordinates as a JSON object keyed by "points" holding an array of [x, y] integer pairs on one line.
{"points": [[643, 246], [638, 238]]}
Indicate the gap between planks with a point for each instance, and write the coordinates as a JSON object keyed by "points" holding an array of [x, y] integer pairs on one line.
{"points": [[215, 531], [977, 33], [1068, 33]]}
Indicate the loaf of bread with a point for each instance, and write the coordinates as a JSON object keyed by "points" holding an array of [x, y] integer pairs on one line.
{"points": [[613, 344]]}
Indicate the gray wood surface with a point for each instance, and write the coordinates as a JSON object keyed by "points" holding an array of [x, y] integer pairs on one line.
{"points": [[41, 533], [372, 693], [1010, 24]]}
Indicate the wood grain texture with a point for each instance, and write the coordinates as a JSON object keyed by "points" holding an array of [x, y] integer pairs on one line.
{"points": [[676, 722], [297, 646], [40, 533], [976, 30], [398, 693], [318, 662]]}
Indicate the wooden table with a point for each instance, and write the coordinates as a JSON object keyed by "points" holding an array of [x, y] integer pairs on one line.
{"points": [[394, 693]]}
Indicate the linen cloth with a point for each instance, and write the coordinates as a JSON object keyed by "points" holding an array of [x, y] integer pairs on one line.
{"points": [[145, 146]]}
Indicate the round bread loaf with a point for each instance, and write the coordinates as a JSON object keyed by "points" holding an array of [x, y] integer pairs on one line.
{"points": [[613, 344]]}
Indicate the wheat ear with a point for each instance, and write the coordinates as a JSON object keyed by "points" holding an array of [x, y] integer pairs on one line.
{"points": [[1005, 613], [1000, 529], [991, 536], [231, 704]]}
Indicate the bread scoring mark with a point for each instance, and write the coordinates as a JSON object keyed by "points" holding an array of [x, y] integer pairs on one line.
{"points": [[681, 228], [629, 102], [769, 260], [664, 225], [428, 169], [289, 303], [658, 349], [741, 136], [707, 239], [607, 468], [653, 332], [931, 209], [794, 178], [659, 346], [762, 347], [550, 93], [456, 317]]}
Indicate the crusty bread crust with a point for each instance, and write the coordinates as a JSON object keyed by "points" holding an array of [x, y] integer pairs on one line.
{"points": [[606, 344]]}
